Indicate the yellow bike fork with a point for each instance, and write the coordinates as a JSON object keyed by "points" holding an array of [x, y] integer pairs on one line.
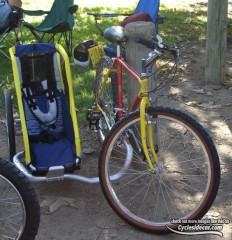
{"points": [[147, 136]]}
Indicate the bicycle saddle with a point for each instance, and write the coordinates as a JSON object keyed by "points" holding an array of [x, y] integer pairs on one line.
{"points": [[115, 34]]}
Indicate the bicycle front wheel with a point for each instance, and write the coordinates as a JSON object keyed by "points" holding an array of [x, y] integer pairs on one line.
{"points": [[19, 206], [106, 96], [185, 181]]}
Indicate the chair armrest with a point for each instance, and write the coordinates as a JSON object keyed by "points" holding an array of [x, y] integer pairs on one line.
{"points": [[34, 12], [72, 9]]}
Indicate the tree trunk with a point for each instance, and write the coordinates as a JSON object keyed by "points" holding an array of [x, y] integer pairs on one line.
{"points": [[216, 41]]}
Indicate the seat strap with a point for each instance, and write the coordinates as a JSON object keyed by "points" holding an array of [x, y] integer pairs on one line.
{"points": [[48, 118]]}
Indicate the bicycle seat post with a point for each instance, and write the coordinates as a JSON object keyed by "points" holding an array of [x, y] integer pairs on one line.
{"points": [[118, 49], [115, 34]]}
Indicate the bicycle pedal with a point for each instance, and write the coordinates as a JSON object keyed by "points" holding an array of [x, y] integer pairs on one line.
{"points": [[93, 116]]}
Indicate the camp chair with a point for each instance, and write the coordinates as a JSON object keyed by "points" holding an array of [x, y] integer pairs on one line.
{"points": [[15, 18], [145, 11], [58, 21], [47, 112], [151, 8]]}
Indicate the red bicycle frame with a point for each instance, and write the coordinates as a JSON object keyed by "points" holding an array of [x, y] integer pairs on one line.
{"points": [[119, 65]]}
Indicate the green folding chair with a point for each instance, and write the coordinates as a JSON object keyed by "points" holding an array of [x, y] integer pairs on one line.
{"points": [[57, 24]]}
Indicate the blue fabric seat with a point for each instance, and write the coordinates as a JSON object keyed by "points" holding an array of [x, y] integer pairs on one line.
{"points": [[51, 145], [151, 7], [45, 95]]}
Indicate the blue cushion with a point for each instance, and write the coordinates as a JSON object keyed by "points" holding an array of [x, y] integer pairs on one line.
{"points": [[59, 153]]}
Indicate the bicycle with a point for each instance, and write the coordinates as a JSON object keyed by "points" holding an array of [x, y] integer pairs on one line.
{"points": [[168, 165], [19, 206]]}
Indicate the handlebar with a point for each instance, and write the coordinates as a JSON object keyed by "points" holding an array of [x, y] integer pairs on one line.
{"points": [[158, 47], [97, 15], [157, 43]]}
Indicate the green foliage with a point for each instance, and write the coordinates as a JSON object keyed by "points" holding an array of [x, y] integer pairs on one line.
{"points": [[183, 24], [83, 84]]}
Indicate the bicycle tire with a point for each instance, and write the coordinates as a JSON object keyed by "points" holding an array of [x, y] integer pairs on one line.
{"points": [[19, 206], [9, 125], [108, 99], [184, 184]]}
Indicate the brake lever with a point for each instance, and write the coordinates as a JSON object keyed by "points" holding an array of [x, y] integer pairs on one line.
{"points": [[159, 41]]}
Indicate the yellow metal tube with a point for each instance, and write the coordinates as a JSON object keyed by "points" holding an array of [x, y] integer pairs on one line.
{"points": [[20, 104], [71, 96]]}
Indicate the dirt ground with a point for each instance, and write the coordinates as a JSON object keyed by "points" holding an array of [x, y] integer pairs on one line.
{"points": [[78, 211]]}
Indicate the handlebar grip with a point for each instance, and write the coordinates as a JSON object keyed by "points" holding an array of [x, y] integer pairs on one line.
{"points": [[148, 43]]}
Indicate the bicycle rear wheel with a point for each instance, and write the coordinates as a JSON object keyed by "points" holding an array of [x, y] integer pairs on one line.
{"points": [[107, 99], [19, 206], [184, 183]]}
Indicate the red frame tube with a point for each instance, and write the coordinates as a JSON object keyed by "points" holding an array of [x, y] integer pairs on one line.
{"points": [[119, 64]]}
